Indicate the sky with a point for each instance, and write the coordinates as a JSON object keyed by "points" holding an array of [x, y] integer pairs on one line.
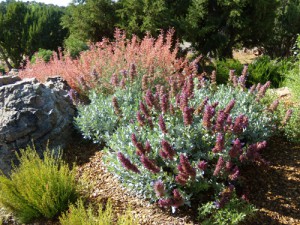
{"points": [[54, 2]]}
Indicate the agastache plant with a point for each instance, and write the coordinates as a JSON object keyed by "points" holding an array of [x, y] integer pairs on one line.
{"points": [[190, 149]]}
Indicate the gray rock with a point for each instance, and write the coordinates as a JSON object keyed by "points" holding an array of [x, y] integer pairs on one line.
{"points": [[32, 112]]}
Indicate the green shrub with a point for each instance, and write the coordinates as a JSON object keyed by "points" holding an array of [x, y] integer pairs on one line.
{"points": [[265, 69], [2, 70], [292, 128], [292, 79], [42, 54], [234, 212], [75, 46], [223, 67], [78, 215], [38, 188], [161, 153]]}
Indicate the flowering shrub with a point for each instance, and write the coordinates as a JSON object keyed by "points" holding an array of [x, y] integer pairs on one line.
{"points": [[95, 67], [99, 119], [180, 146]]}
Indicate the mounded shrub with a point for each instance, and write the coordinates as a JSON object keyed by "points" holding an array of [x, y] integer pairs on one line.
{"points": [[190, 147], [38, 188]]}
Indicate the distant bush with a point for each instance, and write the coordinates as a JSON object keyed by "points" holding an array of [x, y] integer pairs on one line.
{"points": [[265, 69], [224, 66], [292, 128], [78, 215], [75, 46], [261, 70], [292, 79], [38, 188], [42, 54], [2, 70]]}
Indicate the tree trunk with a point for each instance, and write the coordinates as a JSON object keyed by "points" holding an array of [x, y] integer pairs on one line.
{"points": [[5, 58]]}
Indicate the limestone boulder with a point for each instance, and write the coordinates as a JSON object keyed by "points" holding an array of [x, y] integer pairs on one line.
{"points": [[33, 112]]}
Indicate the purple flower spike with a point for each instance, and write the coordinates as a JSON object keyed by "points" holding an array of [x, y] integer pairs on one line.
{"points": [[144, 109], [164, 103], [186, 166], [126, 163], [188, 116], [240, 123], [219, 166], [207, 116], [167, 150], [202, 165], [159, 188], [274, 106], [235, 149], [149, 98], [183, 100], [114, 80], [190, 86], [147, 147], [139, 147], [162, 124], [219, 143], [177, 199], [229, 107], [287, 117], [149, 164], [181, 179], [220, 121], [234, 174], [140, 119], [116, 107]]}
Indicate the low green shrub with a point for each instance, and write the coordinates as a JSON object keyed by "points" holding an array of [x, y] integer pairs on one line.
{"points": [[292, 128], [42, 54], [292, 79], [265, 69], [78, 215], [2, 70], [232, 213], [38, 188], [225, 65], [75, 46]]}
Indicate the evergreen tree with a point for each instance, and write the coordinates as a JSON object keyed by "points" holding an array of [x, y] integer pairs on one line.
{"points": [[216, 26], [26, 27]]}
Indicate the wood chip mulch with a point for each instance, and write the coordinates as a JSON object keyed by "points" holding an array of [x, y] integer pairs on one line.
{"points": [[274, 190]]}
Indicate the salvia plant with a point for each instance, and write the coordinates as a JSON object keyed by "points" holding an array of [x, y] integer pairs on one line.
{"points": [[182, 144]]}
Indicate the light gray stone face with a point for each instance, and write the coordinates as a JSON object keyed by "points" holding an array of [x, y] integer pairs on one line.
{"points": [[32, 112]]}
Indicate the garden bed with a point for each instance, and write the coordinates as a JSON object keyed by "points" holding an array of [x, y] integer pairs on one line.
{"points": [[274, 190]]}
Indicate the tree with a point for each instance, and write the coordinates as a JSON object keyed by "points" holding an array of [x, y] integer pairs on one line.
{"points": [[140, 16], [26, 27], [286, 29], [90, 20], [12, 40], [216, 26]]}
